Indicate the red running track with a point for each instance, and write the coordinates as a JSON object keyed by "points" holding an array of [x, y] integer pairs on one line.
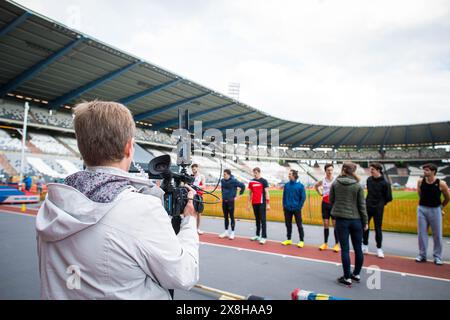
{"points": [[16, 209], [390, 263]]}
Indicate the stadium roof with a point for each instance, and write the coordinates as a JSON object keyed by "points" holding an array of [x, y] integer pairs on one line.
{"points": [[56, 66]]}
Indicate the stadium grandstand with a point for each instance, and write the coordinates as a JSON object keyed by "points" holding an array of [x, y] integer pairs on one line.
{"points": [[54, 67], [50, 68]]}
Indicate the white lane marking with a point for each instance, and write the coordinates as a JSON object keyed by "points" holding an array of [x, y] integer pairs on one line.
{"points": [[322, 261], [312, 246]]}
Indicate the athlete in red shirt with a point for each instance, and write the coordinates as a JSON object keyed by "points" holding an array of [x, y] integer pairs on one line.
{"points": [[259, 198]]}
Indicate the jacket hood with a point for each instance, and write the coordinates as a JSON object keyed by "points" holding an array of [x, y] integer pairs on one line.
{"points": [[346, 180], [66, 211], [85, 198]]}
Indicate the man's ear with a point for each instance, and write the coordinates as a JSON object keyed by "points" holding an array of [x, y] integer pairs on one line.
{"points": [[129, 148]]}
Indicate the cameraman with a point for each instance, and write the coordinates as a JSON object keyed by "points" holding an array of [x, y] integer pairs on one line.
{"points": [[99, 236]]}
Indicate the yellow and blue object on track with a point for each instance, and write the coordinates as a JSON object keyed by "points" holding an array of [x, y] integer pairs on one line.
{"points": [[298, 294]]}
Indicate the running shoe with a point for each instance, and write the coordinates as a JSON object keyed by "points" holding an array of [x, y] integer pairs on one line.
{"points": [[438, 262], [262, 241], [301, 244], [255, 238], [224, 234], [342, 280], [200, 231], [380, 253], [419, 258], [365, 249], [336, 248], [323, 247], [231, 236], [357, 278], [287, 242]]}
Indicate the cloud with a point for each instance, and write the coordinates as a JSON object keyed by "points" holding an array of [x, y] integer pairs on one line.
{"points": [[324, 62]]}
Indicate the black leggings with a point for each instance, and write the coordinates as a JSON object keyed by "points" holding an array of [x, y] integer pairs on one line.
{"points": [[260, 218], [377, 214], [288, 214], [228, 213]]}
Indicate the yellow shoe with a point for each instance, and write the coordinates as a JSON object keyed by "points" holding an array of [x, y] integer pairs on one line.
{"points": [[336, 248], [301, 244], [286, 242], [323, 247]]}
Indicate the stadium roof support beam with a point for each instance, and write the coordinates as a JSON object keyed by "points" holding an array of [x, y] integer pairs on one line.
{"points": [[262, 124], [406, 135], [34, 70], [364, 138], [344, 140], [297, 133], [448, 125], [386, 135], [318, 144], [279, 123], [256, 129], [168, 107], [15, 23], [208, 124], [149, 91], [289, 128], [195, 115], [312, 135], [430, 132], [241, 124], [59, 102]]}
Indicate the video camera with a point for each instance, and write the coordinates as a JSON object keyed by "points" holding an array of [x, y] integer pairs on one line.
{"points": [[175, 197], [173, 183]]}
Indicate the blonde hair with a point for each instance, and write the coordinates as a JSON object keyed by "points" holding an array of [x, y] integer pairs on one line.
{"points": [[102, 130], [349, 169]]}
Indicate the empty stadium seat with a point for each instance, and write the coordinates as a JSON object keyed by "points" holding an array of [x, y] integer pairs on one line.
{"points": [[48, 144]]}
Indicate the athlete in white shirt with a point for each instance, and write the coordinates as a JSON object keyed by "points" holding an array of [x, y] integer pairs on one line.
{"points": [[199, 181], [323, 189]]}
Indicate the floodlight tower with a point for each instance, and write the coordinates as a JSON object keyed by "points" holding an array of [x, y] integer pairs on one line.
{"points": [[234, 89]]}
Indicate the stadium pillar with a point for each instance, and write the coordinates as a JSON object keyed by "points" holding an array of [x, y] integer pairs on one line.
{"points": [[24, 136]]}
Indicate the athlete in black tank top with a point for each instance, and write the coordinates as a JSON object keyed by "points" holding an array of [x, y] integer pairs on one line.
{"points": [[430, 194], [430, 212]]}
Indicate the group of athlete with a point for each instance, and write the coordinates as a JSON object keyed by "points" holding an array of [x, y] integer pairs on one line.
{"points": [[294, 196], [345, 204]]}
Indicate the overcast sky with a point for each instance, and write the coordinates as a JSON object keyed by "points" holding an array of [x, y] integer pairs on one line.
{"points": [[314, 61]]}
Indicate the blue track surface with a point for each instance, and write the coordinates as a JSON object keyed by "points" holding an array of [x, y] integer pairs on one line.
{"points": [[6, 191]]}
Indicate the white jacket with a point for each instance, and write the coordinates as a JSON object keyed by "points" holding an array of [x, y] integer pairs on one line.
{"points": [[125, 249]]}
